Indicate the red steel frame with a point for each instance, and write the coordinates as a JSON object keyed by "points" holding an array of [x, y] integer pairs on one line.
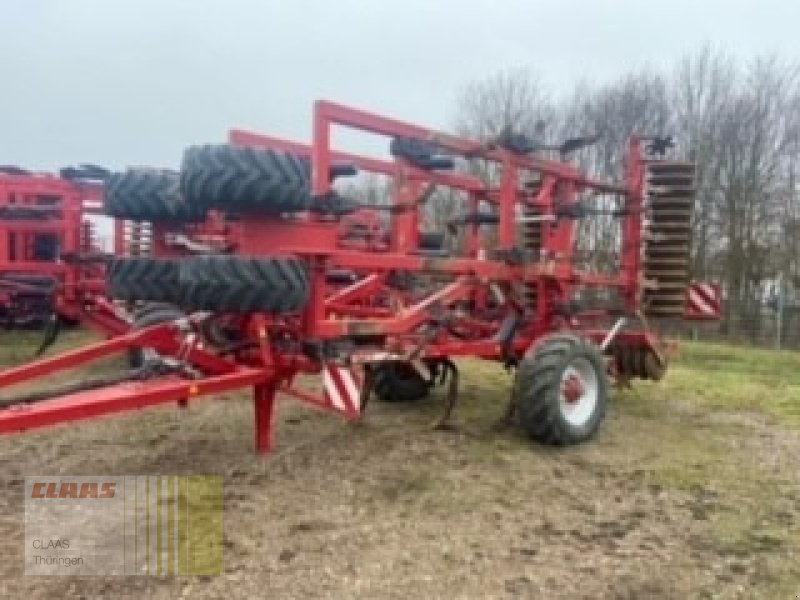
{"points": [[370, 308], [318, 242], [80, 293]]}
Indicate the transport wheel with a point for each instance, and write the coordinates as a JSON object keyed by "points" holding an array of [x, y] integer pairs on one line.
{"points": [[148, 315], [145, 279], [232, 178], [148, 195], [561, 390], [237, 284], [396, 381]]}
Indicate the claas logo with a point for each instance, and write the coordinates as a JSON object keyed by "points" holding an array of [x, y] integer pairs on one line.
{"points": [[73, 489]]}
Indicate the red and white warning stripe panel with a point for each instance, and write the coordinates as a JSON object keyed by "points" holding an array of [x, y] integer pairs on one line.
{"points": [[342, 389], [703, 301]]}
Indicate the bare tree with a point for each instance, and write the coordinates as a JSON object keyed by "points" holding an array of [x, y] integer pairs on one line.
{"points": [[510, 101], [739, 123], [701, 87]]}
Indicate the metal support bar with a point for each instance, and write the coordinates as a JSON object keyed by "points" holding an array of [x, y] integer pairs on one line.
{"points": [[443, 422], [264, 404], [613, 333], [123, 397]]}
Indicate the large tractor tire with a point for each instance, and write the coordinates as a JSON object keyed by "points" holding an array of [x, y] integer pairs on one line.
{"points": [[236, 284], [148, 195], [145, 279], [396, 381], [240, 180], [148, 315], [561, 390]]}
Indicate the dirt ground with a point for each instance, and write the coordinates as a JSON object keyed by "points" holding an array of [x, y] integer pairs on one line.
{"points": [[691, 490]]}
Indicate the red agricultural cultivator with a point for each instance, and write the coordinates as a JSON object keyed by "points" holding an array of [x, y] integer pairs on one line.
{"points": [[51, 268], [258, 270]]}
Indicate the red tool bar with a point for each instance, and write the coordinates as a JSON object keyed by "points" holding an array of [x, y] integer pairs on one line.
{"points": [[240, 137], [373, 165], [369, 285], [68, 360], [23, 226], [48, 185], [327, 113], [422, 264], [405, 321], [123, 397], [34, 266], [330, 113]]}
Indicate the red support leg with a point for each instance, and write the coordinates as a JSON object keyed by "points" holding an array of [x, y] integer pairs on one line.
{"points": [[264, 397]]}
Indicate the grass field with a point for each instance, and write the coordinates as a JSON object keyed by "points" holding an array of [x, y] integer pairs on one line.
{"points": [[691, 490]]}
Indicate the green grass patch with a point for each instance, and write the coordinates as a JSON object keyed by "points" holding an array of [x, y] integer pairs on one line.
{"points": [[19, 347], [738, 378], [705, 375]]}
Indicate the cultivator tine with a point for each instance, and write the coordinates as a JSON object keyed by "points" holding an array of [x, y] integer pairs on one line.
{"points": [[507, 420], [443, 422], [366, 389], [51, 331]]}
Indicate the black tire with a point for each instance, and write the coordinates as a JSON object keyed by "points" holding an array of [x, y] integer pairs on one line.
{"points": [[85, 172], [231, 178], [145, 279], [396, 381], [148, 195], [147, 316], [543, 414], [236, 284]]}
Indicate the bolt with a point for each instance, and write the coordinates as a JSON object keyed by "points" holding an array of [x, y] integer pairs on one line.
{"points": [[573, 389]]}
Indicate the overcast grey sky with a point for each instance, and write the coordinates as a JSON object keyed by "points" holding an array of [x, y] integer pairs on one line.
{"points": [[132, 82]]}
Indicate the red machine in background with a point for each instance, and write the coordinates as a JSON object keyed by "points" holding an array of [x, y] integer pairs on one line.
{"points": [[52, 268], [261, 270], [50, 263]]}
